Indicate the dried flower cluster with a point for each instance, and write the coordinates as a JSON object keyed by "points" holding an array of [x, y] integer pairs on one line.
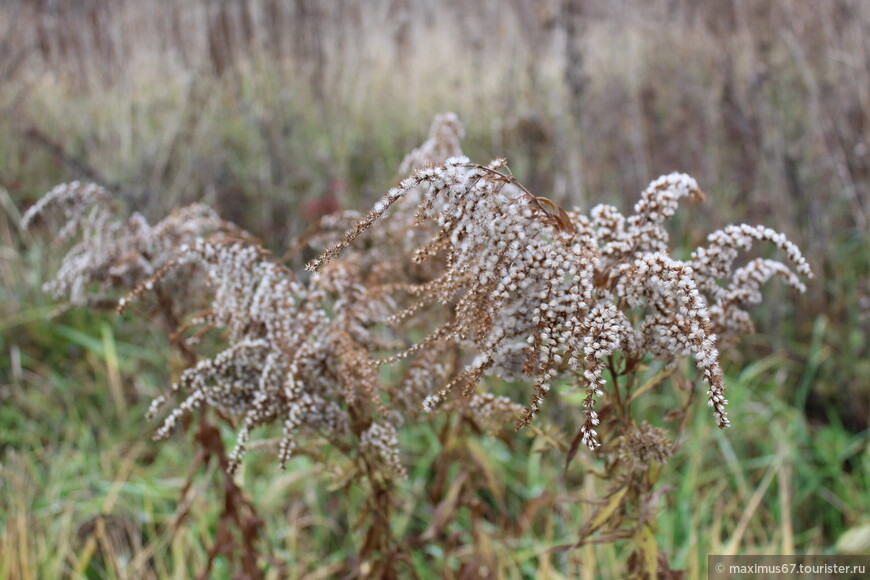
{"points": [[116, 255], [535, 291], [644, 446], [498, 281]]}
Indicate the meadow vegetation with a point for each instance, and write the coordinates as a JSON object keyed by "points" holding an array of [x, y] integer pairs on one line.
{"points": [[280, 115]]}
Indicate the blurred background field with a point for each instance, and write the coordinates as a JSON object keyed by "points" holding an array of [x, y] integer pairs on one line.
{"points": [[276, 112]]}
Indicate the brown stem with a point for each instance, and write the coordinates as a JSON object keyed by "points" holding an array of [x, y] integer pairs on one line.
{"points": [[614, 377]]}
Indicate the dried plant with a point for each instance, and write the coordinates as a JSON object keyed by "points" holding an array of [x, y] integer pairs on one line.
{"points": [[497, 281], [535, 289], [114, 255]]}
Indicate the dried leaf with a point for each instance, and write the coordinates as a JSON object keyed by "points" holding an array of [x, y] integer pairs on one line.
{"points": [[446, 509], [565, 223], [649, 551], [572, 451], [604, 513], [482, 461]]}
